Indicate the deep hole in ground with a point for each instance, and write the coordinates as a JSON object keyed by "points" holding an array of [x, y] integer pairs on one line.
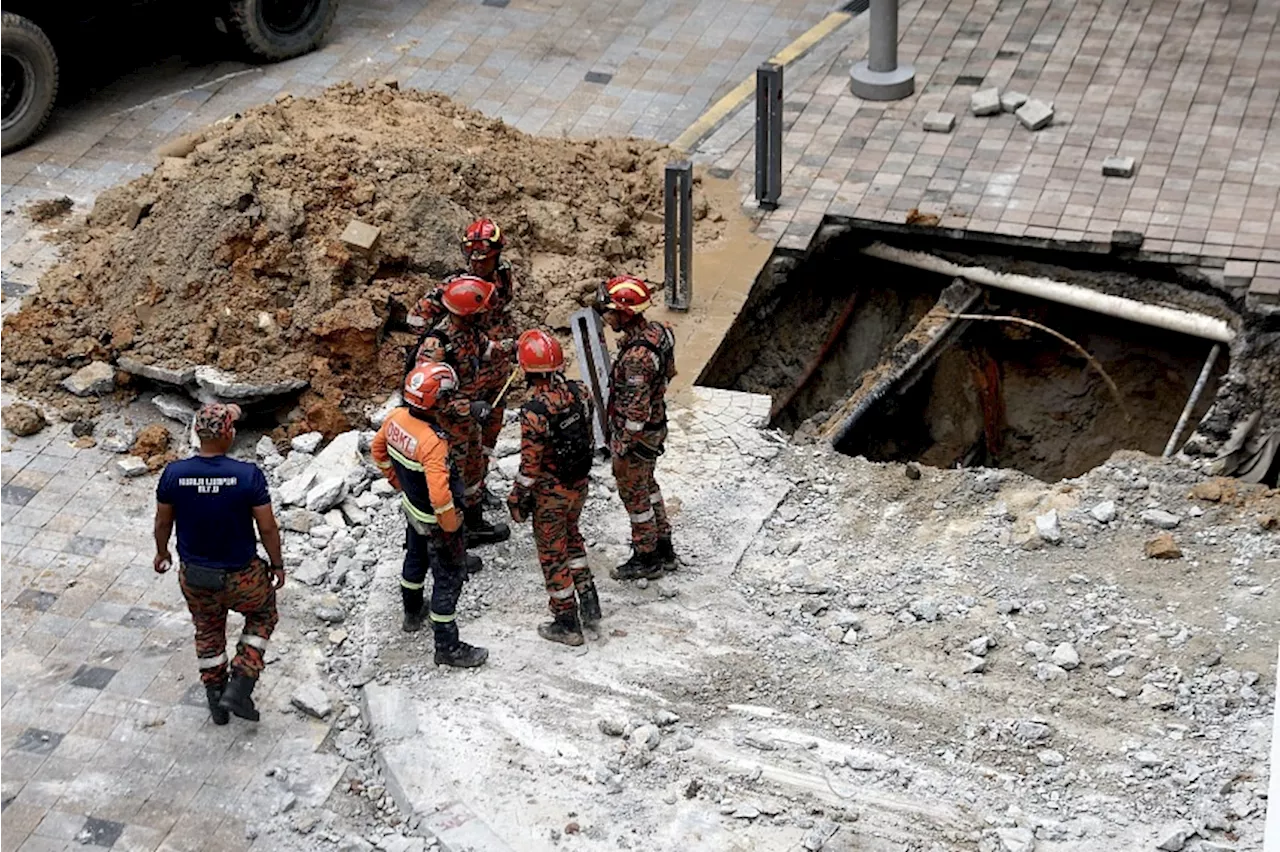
{"points": [[996, 394]]}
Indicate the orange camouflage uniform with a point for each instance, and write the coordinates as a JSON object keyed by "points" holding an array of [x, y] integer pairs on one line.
{"points": [[556, 505], [637, 416]]}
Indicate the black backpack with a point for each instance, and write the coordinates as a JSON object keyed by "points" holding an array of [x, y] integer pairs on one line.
{"points": [[572, 438]]}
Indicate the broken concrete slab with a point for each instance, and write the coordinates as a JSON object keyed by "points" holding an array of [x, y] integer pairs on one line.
{"points": [[312, 700], [219, 386], [940, 122], [96, 378], [1118, 167], [361, 236], [294, 491], [307, 443], [1161, 519], [1035, 114], [174, 407], [131, 466], [155, 372], [1011, 101], [985, 102], [325, 495]]}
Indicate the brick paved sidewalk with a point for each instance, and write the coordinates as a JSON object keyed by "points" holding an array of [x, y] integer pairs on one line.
{"points": [[106, 734], [1184, 88]]}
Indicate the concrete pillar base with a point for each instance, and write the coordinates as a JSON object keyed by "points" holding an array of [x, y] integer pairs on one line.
{"points": [[882, 85]]}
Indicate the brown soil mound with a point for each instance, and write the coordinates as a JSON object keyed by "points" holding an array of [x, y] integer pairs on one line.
{"points": [[231, 256]]}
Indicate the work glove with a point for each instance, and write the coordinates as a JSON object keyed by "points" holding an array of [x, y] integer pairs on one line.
{"points": [[481, 410]]}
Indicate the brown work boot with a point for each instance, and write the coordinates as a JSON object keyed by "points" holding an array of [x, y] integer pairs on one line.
{"points": [[565, 629]]}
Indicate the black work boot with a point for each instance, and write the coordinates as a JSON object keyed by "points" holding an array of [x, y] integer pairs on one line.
{"points": [[640, 565], [565, 629], [237, 697], [451, 651], [480, 531], [412, 599], [474, 564], [213, 691], [589, 604], [667, 554]]}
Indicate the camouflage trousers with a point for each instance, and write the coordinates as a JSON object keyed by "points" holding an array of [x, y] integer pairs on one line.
{"points": [[561, 550], [489, 438], [467, 454], [248, 592], [642, 497]]}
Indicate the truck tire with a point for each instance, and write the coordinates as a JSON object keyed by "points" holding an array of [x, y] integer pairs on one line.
{"points": [[280, 29], [29, 75]]}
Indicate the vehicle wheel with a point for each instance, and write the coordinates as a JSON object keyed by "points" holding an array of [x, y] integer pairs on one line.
{"points": [[29, 76], [280, 29]]}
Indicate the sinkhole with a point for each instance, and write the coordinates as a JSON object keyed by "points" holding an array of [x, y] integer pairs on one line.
{"points": [[896, 363]]}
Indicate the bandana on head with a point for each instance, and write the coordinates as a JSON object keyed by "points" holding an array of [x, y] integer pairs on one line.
{"points": [[215, 420]]}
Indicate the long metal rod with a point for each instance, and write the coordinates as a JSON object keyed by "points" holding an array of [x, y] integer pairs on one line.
{"points": [[685, 285], [669, 229], [1192, 400], [1171, 319]]}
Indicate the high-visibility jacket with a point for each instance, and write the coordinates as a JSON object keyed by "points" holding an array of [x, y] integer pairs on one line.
{"points": [[411, 454]]}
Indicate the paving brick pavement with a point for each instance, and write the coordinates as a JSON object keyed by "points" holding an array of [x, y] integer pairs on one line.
{"points": [[646, 68], [106, 738], [1185, 88]]}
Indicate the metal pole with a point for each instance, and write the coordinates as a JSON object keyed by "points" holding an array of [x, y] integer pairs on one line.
{"points": [[880, 77], [670, 176], [684, 289], [593, 364], [768, 135], [1196, 391]]}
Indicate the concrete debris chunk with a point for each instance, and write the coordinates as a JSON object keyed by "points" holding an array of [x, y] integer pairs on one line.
{"points": [[294, 491], [985, 102], [361, 236], [1175, 839], [1010, 101], [1047, 527], [325, 495], [155, 372], [382, 488], [1031, 731], [646, 736], [175, 407], [1156, 698], [96, 378], [1160, 518], [975, 665], [612, 727], [1163, 546], [1035, 114], [1016, 839], [1065, 656], [1104, 512], [1118, 167], [925, 610], [265, 448], [307, 443], [311, 572], [979, 647], [312, 700], [218, 386], [131, 466], [940, 122], [1049, 757]]}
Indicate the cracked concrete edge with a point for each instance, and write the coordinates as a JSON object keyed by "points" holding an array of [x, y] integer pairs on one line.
{"points": [[452, 823]]}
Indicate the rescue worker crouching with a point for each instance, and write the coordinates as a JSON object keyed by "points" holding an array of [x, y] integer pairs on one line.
{"points": [[482, 245], [458, 339], [556, 450], [637, 420], [216, 501], [412, 451]]}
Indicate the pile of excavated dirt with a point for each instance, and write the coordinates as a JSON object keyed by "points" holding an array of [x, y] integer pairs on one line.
{"points": [[231, 256]]}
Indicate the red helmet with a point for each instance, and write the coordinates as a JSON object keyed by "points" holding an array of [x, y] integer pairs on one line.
{"points": [[467, 294], [626, 294], [426, 383], [539, 352], [483, 239]]}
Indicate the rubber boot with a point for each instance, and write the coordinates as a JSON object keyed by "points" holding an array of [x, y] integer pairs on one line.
{"points": [[412, 609], [667, 554], [474, 564], [214, 693], [479, 531], [639, 566], [237, 697], [565, 629], [589, 604], [450, 651]]}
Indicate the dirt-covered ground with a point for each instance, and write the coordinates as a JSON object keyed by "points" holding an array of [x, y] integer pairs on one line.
{"points": [[229, 254], [851, 659]]}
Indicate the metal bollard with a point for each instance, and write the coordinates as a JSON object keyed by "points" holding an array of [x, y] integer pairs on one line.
{"points": [[880, 77], [678, 247], [768, 135], [593, 364]]}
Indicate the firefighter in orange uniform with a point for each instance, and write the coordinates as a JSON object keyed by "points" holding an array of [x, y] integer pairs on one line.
{"points": [[412, 451]]}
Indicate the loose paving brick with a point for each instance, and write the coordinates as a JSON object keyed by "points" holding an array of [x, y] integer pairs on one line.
{"points": [[985, 102], [940, 122], [1035, 114], [1118, 167]]}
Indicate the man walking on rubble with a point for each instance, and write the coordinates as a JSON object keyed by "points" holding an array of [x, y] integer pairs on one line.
{"points": [[412, 451], [556, 449], [458, 339], [637, 420], [215, 502], [482, 246]]}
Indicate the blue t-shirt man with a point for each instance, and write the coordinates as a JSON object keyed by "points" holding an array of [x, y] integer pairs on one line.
{"points": [[213, 498]]}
